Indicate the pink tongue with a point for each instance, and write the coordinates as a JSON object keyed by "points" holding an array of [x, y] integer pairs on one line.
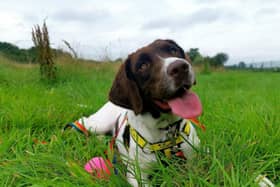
{"points": [[187, 106]]}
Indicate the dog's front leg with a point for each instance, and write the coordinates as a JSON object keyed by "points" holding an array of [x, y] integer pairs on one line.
{"points": [[138, 164], [131, 178]]}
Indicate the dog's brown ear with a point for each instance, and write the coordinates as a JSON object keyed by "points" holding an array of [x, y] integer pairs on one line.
{"points": [[124, 91]]}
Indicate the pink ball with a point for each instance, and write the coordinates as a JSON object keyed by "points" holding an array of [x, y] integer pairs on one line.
{"points": [[99, 167]]}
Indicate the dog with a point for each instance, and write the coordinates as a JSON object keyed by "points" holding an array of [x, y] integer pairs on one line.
{"points": [[149, 107]]}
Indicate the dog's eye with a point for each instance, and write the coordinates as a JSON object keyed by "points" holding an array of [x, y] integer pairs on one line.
{"points": [[173, 50], [144, 63], [144, 67]]}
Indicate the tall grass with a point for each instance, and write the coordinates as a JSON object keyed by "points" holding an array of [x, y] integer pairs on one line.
{"points": [[240, 113], [40, 38]]}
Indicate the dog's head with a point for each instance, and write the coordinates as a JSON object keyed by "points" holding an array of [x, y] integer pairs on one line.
{"points": [[152, 77]]}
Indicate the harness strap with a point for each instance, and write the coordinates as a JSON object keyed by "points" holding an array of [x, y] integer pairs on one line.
{"points": [[138, 138], [165, 145], [77, 126], [198, 124]]}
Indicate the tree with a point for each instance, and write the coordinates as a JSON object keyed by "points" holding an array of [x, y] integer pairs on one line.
{"points": [[219, 59], [198, 60], [206, 64], [193, 53], [241, 65], [13, 52]]}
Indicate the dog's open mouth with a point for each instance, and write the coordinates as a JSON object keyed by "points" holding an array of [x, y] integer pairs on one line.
{"points": [[186, 104]]}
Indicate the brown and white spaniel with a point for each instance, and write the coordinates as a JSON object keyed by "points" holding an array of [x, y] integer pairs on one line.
{"points": [[150, 104]]}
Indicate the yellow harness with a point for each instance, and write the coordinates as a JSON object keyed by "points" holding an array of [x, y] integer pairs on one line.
{"points": [[165, 146]]}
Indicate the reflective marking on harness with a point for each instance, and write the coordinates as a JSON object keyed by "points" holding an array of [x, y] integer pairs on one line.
{"points": [[187, 128], [167, 152]]}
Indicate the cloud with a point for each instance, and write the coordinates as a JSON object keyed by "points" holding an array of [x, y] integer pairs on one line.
{"points": [[82, 16], [240, 28], [202, 16], [267, 11], [206, 1]]}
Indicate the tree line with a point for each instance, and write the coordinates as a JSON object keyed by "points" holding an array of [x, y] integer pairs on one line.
{"points": [[19, 55], [30, 55], [217, 60]]}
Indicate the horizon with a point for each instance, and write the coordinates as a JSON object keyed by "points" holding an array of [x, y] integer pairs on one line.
{"points": [[256, 64]]}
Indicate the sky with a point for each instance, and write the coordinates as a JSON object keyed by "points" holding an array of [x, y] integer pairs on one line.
{"points": [[247, 30]]}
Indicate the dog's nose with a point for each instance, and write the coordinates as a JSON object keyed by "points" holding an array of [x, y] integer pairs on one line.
{"points": [[177, 68]]}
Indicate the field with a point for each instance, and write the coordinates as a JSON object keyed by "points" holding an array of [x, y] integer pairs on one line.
{"points": [[241, 114]]}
